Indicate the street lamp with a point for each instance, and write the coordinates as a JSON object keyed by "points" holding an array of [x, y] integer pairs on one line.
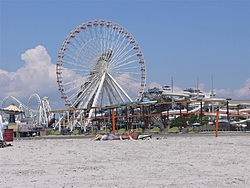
{"points": [[228, 99], [201, 111]]}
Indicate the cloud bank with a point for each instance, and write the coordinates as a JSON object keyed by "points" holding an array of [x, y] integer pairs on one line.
{"points": [[38, 76]]}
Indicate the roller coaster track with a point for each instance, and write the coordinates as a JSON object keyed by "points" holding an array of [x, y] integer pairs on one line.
{"points": [[40, 116]]}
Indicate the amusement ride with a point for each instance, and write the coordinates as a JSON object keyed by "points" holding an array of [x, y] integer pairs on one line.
{"points": [[100, 64], [39, 117]]}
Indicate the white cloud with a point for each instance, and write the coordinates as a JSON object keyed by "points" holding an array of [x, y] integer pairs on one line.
{"points": [[177, 89], [201, 87], [243, 92], [154, 84], [223, 92], [36, 76]]}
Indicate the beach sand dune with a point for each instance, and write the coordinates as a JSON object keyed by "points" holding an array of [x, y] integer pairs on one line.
{"points": [[178, 161]]}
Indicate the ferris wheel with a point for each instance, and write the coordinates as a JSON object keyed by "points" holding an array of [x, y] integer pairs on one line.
{"points": [[99, 64]]}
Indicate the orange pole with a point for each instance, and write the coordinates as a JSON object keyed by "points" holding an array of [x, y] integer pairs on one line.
{"points": [[217, 123], [113, 121]]}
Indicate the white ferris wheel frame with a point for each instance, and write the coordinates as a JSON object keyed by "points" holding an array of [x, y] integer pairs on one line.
{"points": [[100, 49]]}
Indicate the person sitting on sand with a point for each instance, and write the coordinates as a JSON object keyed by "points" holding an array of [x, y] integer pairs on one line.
{"points": [[134, 135], [131, 135]]}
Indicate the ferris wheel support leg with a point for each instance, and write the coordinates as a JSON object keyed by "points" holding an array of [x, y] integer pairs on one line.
{"points": [[97, 93], [120, 87], [94, 102]]}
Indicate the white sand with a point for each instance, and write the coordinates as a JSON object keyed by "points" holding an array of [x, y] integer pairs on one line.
{"points": [[178, 161]]}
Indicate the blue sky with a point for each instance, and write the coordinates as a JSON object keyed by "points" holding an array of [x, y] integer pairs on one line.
{"points": [[190, 41]]}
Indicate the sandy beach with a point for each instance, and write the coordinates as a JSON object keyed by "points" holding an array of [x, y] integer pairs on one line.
{"points": [[178, 161]]}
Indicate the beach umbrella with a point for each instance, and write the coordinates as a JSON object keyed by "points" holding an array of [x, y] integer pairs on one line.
{"points": [[12, 109]]}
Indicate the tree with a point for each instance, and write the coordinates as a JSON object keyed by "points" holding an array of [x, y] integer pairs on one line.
{"points": [[193, 118], [176, 122]]}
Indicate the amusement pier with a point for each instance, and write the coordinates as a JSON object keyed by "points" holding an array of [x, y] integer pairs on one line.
{"points": [[101, 75]]}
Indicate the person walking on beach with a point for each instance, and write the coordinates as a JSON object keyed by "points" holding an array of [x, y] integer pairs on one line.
{"points": [[1, 128]]}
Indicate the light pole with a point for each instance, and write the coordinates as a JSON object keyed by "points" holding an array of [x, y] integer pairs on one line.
{"points": [[200, 112], [228, 118]]}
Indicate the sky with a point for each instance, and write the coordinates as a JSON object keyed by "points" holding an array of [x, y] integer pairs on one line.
{"points": [[199, 43]]}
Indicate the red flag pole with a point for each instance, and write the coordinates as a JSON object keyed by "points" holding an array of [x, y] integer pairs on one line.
{"points": [[113, 121], [217, 123]]}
